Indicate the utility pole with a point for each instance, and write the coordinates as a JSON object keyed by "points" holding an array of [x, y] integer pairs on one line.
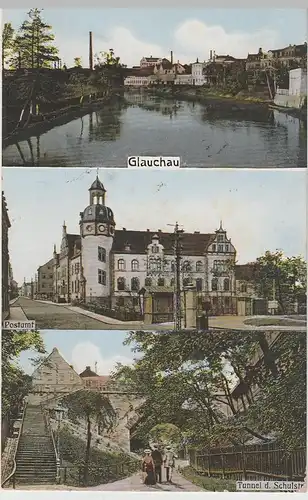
{"points": [[177, 290]]}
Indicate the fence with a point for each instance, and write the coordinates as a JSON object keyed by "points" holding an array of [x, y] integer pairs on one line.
{"points": [[73, 475], [258, 462]]}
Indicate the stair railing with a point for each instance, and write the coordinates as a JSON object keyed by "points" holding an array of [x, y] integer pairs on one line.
{"points": [[11, 476], [56, 451]]}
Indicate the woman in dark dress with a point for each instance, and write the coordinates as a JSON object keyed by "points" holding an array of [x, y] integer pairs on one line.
{"points": [[149, 468]]}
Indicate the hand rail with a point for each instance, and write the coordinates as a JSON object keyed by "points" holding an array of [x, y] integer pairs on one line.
{"points": [[12, 474], [50, 429]]}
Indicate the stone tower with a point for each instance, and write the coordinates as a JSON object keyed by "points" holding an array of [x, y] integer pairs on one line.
{"points": [[97, 228]]}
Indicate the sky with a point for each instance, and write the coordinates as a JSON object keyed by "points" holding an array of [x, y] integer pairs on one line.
{"points": [[190, 33], [84, 348], [260, 209]]}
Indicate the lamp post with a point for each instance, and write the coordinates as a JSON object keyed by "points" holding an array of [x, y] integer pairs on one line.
{"points": [[59, 411]]}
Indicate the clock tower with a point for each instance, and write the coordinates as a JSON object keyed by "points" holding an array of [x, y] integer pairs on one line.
{"points": [[97, 228]]}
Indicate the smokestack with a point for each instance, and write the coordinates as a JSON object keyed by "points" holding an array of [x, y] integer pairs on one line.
{"points": [[211, 55], [171, 56], [95, 369], [90, 51]]}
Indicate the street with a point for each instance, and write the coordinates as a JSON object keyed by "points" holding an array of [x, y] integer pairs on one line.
{"points": [[49, 316]]}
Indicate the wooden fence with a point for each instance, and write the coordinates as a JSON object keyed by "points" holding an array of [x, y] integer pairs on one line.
{"points": [[257, 462]]}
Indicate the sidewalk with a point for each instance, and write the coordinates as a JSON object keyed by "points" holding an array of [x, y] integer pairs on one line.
{"points": [[17, 314]]}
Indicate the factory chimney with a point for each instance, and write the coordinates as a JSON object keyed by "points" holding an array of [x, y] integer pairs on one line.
{"points": [[90, 50], [171, 56]]}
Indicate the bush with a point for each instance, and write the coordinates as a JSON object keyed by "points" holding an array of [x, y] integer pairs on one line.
{"points": [[208, 483], [104, 467]]}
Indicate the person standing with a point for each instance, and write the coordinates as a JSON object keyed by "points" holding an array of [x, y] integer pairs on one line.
{"points": [[148, 468], [158, 461], [169, 463]]}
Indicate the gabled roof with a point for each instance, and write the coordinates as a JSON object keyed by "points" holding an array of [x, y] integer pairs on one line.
{"points": [[192, 243], [74, 243], [88, 373]]}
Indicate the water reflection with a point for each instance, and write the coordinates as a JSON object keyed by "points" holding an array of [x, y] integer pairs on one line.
{"points": [[147, 125]]}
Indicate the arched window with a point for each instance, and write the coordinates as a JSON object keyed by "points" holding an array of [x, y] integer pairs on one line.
{"points": [[135, 265], [101, 254], [148, 282], [172, 282], [214, 284], [121, 283], [199, 284], [161, 282], [121, 265], [186, 267], [199, 266], [135, 285], [243, 288], [226, 284]]}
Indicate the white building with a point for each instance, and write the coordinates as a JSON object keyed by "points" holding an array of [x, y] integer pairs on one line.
{"points": [[183, 79], [136, 81], [197, 73], [147, 62], [298, 82], [111, 266]]}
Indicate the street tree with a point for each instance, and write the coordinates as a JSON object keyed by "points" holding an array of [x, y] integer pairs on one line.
{"points": [[34, 43], [282, 278], [95, 409]]}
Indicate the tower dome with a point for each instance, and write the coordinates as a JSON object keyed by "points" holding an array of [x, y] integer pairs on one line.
{"points": [[97, 211]]}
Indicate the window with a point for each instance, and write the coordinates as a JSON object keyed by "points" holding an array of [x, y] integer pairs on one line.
{"points": [[213, 248], [102, 277], [155, 249], [73, 269], [77, 267], [121, 301], [135, 265], [214, 285], [226, 285], [199, 284], [135, 301], [50, 276], [148, 282], [101, 254], [43, 285], [186, 266], [72, 286], [135, 286], [243, 287], [72, 376], [172, 282], [199, 266], [186, 281], [121, 283], [121, 265], [220, 248], [161, 282], [227, 248], [220, 238], [172, 266], [43, 276]]}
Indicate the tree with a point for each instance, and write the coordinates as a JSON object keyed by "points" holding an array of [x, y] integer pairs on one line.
{"points": [[15, 383], [8, 34], [166, 434], [77, 62], [34, 43], [281, 278], [94, 408], [188, 380]]}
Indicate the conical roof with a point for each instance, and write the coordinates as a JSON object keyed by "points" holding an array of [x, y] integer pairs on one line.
{"points": [[97, 184]]}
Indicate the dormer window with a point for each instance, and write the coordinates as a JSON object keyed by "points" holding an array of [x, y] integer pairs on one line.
{"points": [[220, 248], [227, 248], [213, 248], [155, 248], [220, 238]]}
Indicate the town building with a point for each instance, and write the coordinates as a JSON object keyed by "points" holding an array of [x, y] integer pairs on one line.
{"points": [[111, 266], [6, 224], [147, 62], [296, 95], [288, 56], [197, 73], [44, 281]]}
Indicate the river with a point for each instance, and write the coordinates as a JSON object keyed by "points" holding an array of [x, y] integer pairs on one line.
{"points": [[146, 125]]}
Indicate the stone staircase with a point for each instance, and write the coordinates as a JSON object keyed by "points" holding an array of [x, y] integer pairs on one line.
{"points": [[35, 459]]}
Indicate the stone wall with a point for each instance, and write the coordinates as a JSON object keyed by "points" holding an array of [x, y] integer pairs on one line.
{"points": [[289, 101]]}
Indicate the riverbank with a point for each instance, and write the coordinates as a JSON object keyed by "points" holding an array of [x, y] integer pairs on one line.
{"points": [[213, 99], [46, 122]]}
